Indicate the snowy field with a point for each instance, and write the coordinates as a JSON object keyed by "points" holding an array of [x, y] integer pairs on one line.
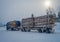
{"points": [[18, 36]]}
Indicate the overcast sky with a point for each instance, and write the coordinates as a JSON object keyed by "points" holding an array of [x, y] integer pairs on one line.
{"points": [[18, 9]]}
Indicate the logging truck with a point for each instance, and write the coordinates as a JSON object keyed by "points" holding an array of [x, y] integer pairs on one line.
{"points": [[41, 23]]}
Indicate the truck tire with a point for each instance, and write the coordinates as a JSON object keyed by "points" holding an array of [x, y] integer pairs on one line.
{"points": [[40, 30], [7, 28], [18, 29], [44, 30], [48, 30], [29, 30], [12, 29], [23, 30]]}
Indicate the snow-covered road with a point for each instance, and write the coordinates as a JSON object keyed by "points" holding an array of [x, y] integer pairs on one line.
{"points": [[18, 36]]}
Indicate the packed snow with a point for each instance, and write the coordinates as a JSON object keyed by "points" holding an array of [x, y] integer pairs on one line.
{"points": [[18, 36]]}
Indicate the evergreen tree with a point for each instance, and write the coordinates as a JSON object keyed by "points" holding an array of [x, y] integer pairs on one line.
{"points": [[59, 14]]}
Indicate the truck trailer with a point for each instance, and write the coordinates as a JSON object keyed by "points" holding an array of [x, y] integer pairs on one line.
{"points": [[41, 23]]}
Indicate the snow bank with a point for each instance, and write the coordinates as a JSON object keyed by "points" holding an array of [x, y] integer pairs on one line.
{"points": [[57, 27]]}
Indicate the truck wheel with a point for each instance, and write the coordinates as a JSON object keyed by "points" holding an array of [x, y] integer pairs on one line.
{"points": [[12, 29], [44, 30], [29, 30], [18, 29], [39, 30], [26, 30], [48, 30], [7, 28], [23, 30]]}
